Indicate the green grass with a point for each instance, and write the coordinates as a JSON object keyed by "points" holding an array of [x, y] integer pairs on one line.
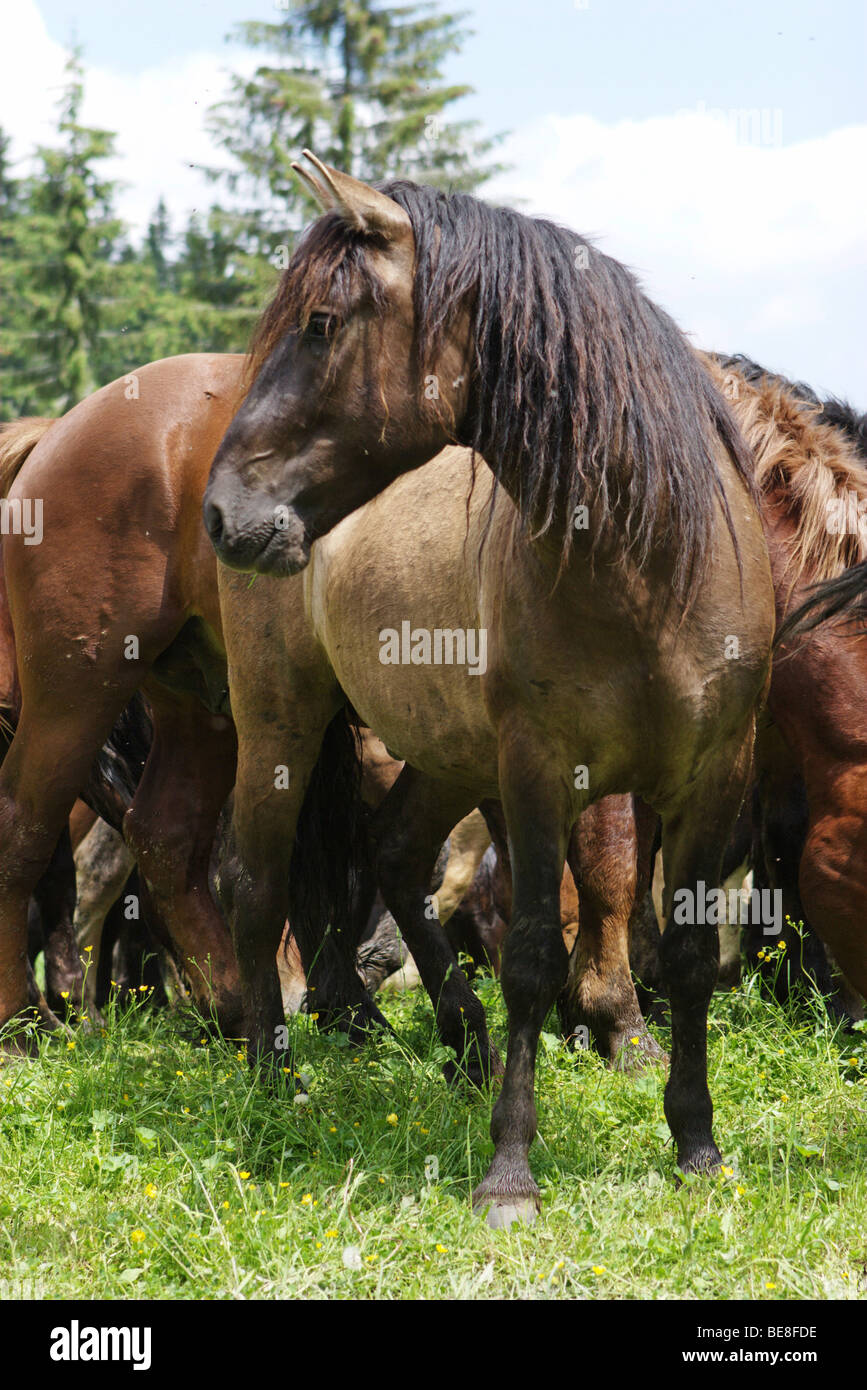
{"points": [[136, 1162]]}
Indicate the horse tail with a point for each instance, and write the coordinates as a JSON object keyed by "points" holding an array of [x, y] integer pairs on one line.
{"points": [[117, 769], [17, 440], [331, 877], [845, 596]]}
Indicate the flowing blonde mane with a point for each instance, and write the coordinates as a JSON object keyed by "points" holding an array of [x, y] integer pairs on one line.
{"points": [[809, 468]]}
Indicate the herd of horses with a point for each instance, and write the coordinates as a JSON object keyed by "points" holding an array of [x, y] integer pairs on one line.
{"points": [[463, 419]]}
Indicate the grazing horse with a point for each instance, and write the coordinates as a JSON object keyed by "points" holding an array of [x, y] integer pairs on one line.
{"points": [[607, 568]]}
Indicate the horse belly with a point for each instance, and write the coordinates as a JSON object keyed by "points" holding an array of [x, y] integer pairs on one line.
{"points": [[433, 717], [397, 610]]}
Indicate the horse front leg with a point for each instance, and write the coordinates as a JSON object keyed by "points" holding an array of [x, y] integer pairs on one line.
{"points": [[278, 746], [539, 814], [833, 882]]}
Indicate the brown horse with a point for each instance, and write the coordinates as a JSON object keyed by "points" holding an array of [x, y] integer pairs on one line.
{"points": [[121, 594], [812, 476], [628, 631]]}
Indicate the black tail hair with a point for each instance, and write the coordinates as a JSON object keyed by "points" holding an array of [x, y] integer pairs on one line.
{"points": [[118, 767], [331, 876]]}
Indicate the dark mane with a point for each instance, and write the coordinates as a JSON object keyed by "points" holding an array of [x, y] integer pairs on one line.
{"points": [[831, 411], [582, 390]]}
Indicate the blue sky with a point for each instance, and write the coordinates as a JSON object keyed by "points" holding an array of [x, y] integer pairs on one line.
{"points": [[718, 149], [613, 59]]}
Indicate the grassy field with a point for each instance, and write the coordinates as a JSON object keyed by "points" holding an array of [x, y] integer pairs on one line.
{"points": [[139, 1162]]}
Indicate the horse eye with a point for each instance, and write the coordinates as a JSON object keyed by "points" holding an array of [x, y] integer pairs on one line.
{"points": [[321, 326]]}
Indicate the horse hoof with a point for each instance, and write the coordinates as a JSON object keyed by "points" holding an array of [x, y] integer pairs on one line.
{"points": [[636, 1052], [472, 1070], [21, 1044], [704, 1159], [505, 1212], [361, 1021]]}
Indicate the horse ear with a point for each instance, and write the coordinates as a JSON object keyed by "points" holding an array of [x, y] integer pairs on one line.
{"points": [[358, 204]]}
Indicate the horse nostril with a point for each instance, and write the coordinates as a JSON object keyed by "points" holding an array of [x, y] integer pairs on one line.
{"points": [[213, 521]]}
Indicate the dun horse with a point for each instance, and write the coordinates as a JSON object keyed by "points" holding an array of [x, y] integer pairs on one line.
{"points": [[613, 558]]}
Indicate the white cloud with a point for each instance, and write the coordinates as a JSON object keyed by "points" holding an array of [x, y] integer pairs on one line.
{"points": [[752, 248], [158, 114]]}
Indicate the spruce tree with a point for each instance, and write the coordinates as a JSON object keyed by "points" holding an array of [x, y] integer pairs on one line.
{"points": [[69, 235], [361, 83], [15, 320]]}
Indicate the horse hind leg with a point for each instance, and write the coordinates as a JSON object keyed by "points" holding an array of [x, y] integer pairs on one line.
{"points": [[55, 897], [694, 836], [41, 776], [332, 887], [170, 828], [102, 866], [410, 829], [600, 998]]}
